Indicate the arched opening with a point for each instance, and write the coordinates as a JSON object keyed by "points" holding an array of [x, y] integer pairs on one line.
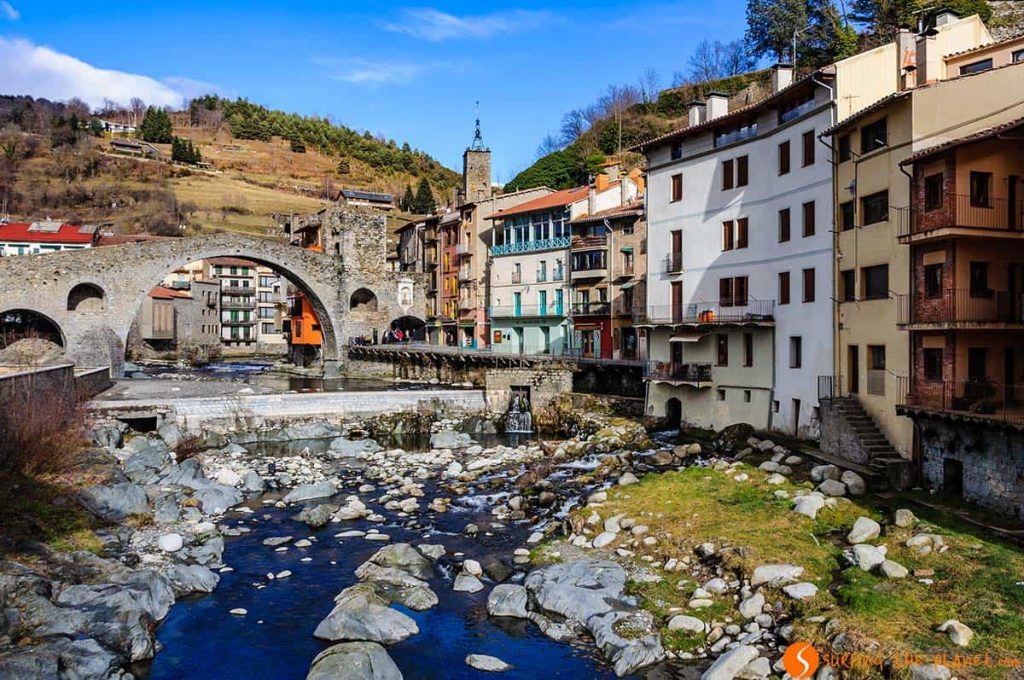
{"points": [[407, 329], [673, 412], [363, 300], [27, 337], [86, 297]]}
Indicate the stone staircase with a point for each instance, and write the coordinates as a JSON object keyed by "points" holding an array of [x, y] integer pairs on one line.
{"points": [[890, 469]]}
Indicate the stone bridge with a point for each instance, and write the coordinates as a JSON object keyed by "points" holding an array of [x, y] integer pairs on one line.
{"points": [[92, 296]]}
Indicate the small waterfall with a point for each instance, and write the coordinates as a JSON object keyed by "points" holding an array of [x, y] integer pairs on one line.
{"points": [[519, 419]]}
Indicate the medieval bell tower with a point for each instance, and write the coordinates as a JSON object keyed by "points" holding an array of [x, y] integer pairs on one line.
{"points": [[476, 168]]}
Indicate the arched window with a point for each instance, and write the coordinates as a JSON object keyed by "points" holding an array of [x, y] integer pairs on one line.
{"points": [[86, 297], [363, 300]]}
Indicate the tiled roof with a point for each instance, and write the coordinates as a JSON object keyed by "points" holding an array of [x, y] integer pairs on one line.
{"points": [[232, 261], [985, 47], [24, 232], [868, 110], [554, 200], [979, 136], [164, 293], [374, 196], [634, 208]]}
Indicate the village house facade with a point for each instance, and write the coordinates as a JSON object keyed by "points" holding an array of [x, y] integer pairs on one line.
{"points": [[45, 236]]}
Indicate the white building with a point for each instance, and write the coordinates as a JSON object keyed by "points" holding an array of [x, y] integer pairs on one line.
{"points": [[739, 311], [271, 304], [44, 236]]}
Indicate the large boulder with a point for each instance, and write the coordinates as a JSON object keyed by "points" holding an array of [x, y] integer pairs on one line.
{"points": [[144, 466], [864, 529], [354, 661], [315, 430], [217, 498], [115, 502], [728, 666], [776, 574], [307, 492], [360, 614], [403, 557], [343, 447], [450, 439], [61, 658], [186, 579], [508, 599], [319, 515]]}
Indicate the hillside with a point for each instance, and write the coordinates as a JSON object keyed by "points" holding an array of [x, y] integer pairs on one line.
{"points": [[55, 161]]}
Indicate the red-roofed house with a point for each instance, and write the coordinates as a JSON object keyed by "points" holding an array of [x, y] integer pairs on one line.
{"points": [[46, 236]]}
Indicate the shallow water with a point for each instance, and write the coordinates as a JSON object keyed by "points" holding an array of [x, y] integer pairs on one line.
{"points": [[275, 640]]}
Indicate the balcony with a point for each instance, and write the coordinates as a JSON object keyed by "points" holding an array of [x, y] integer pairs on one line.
{"points": [[580, 243], [430, 235], [238, 322], [527, 312], [244, 305], [560, 243], [959, 215], [754, 312], [980, 399], [581, 274], [625, 272], [466, 276], [697, 375], [673, 263], [597, 308], [958, 308], [463, 250], [466, 304], [238, 290], [430, 258], [558, 274], [542, 276]]}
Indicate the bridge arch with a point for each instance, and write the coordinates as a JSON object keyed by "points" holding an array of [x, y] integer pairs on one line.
{"points": [[86, 297], [16, 322], [363, 299]]}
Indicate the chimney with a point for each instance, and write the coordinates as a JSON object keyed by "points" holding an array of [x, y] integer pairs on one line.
{"points": [[928, 58], [717, 105], [946, 16], [695, 112], [782, 77], [906, 59], [592, 200], [601, 181]]}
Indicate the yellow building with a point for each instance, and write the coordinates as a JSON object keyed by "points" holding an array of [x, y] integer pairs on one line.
{"points": [[938, 100]]}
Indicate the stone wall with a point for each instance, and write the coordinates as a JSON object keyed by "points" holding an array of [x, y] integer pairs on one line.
{"points": [[546, 383], [617, 379], [90, 382], [838, 438], [992, 460]]}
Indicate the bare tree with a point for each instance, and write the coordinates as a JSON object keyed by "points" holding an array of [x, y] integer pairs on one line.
{"points": [[715, 60], [137, 107], [650, 86], [548, 145], [615, 102], [574, 124], [76, 107]]}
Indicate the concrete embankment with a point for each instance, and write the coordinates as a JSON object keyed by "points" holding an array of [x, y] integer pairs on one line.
{"points": [[197, 412]]}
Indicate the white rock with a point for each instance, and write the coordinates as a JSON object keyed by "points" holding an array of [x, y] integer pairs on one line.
{"points": [[238, 612], [855, 484], [690, 624], [752, 606], [904, 519], [483, 662], [472, 567], [228, 477], [960, 634], [809, 505], [628, 478], [801, 591], [729, 665], [831, 487], [892, 569], [864, 529], [170, 542], [867, 557], [775, 574], [603, 539]]}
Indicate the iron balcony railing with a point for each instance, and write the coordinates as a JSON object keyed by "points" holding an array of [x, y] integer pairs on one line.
{"points": [[247, 304], [752, 311], [526, 311], [238, 290], [960, 305], [997, 401], [465, 275], [596, 308], [962, 212], [673, 263], [238, 322], [517, 277], [558, 274], [667, 370], [542, 276], [625, 272], [561, 242], [463, 249]]}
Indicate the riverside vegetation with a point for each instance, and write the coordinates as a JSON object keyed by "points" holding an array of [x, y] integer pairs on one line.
{"points": [[712, 555]]}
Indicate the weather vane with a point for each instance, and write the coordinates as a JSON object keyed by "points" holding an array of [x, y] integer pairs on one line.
{"points": [[478, 138]]}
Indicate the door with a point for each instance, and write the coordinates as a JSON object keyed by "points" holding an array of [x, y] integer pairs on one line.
{"points": [[978, 386], [1015, 291], [517, 304], [520, 339], [543, 303], [677, 301], [796, 417], [545, 336], [853, 364], [953, 477]]}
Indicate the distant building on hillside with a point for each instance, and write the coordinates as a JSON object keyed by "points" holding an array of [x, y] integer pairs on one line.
{"points": [[355, 198], [134, 147], [45, 236]]}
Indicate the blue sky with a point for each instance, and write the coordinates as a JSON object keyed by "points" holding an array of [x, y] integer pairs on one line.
{"points": [[409, 72]]}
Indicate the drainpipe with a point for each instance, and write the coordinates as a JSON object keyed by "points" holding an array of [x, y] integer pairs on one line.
{"points": [[609, 261], [836, 354]]}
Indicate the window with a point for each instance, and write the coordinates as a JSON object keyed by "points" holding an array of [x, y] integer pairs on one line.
{"points": [[1018, 56], [979, 280], [933, 280], [808, 143], [784, 158], [844, 148], [727, 239], [746, 396], [677, 151], [846, 216], [727, 175], [848, 286], [981, 183], [873, 136], [932, 359], [677, 188], [741, 171], [933, 191], [976, 67], [809, 285], [876, 282], [741, 232], [732, 292], [722, 345], [783, 288], [783, 225], [748, 349], [876, 357], [721, 394], [796, 351], [875, 208], [809, 219]]}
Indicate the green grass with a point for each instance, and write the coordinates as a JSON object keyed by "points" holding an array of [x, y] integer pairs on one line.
{"points": [[42, 510], [975, 581]]}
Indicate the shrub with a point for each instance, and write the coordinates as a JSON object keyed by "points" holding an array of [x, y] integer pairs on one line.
{"points": [[38, 438]]}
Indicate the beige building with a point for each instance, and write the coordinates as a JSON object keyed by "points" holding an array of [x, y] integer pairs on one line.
{"points": [[872, 274]]}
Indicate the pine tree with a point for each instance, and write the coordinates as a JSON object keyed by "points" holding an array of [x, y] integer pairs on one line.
{"points": [[177, 153], [424, 203], [770, 26], [405, 205], [156, 127]]}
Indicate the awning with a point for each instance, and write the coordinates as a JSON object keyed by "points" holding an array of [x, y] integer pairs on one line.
{"points": [[691, 336], [586, 327], [627, 285], [626, 249]]}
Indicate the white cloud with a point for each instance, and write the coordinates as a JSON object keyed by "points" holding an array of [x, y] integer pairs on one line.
{"points": [[8, 11], [40, 71], [434, 25], [367, 72]]}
